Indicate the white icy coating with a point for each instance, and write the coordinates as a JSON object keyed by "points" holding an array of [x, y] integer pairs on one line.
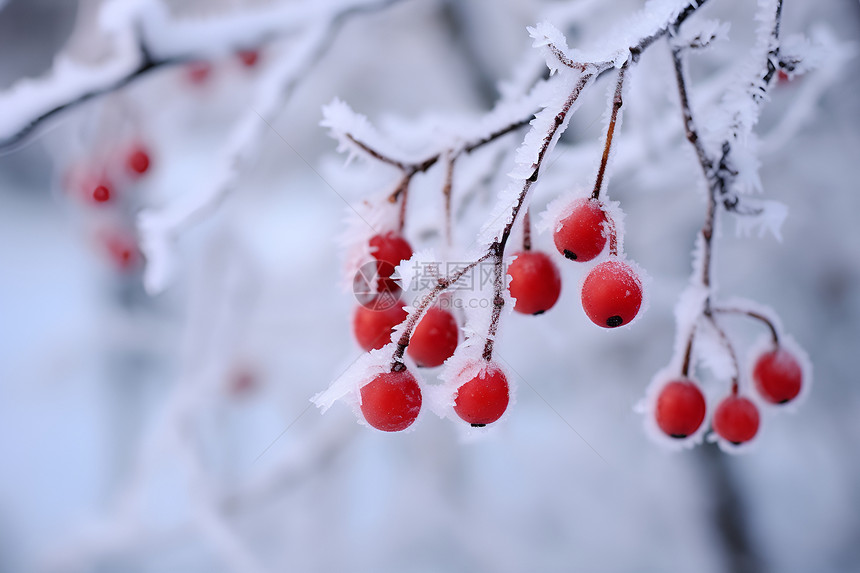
{"points": [[825, 58], [701, 33], [29, 98]]}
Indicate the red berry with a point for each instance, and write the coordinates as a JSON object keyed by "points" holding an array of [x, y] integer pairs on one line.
{"points": [[778, 376], [372, 326], [391, 401], [680, 408], [137, 161], [102, 193], [198, 72], [535, 282], [483, 399], [249, 57], [611, 294], [434, 339], [122, 249], [581, 235], [736, 419], [389, 249]]}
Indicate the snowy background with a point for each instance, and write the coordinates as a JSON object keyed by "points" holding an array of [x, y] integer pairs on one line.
{"points": [[173, 432]]}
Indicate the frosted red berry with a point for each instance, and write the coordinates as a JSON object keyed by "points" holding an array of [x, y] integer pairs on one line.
{"points": [[389, 249], [778, 376], [391, 401], [680, 408], [138, 161], [535, 282], [249, 58], [102, 193], [736, 419], [434, 339], [372, 327], [581, 235], [483, 399], [612, 294]]}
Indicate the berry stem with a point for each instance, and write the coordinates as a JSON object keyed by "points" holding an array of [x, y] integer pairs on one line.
{"points": [[617, 102], [421, 307], [446, 193], [613, 233], [404, 195], [719, 175], [527, 231], [688, 354], [774, 335], [729, 348], [496, 251]]}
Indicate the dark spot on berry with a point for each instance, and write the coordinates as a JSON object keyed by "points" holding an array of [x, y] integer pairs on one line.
{"points": [[737, 443], [786, 401], [570, 255], [538, 312], [478, 425], [614, 321], [678, 436]]}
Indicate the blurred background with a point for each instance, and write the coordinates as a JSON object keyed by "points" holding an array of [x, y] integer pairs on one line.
{"points": [[172, 431]]}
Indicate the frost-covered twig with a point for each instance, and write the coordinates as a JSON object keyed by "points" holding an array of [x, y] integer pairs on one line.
{"points": [[546, 130], [161, 227], [144, 37]]}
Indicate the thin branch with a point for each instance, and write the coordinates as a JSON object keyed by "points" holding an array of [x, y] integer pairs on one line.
{"points": [[446, 194], [774, 334], [729, 349], [617, 102], [527, 231], [443, 284]]}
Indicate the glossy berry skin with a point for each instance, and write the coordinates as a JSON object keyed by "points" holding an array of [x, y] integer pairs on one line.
{"points": [[391, 401], [102, 193], [680, 408], [372, 328], [483, 399], [389, 249], [434, 339], [736, 419], [535, 282], [581, 235], [138, 161], [611, 294], [777, 376]]}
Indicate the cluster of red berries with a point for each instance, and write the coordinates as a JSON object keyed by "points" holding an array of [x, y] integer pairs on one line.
{"points": [[99, 188], [611, 297], [392, 400], [198, 72], [680, 408], [612, 290]]}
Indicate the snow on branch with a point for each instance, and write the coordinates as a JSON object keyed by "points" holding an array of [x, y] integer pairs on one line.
{"points": [[143, 36]]}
